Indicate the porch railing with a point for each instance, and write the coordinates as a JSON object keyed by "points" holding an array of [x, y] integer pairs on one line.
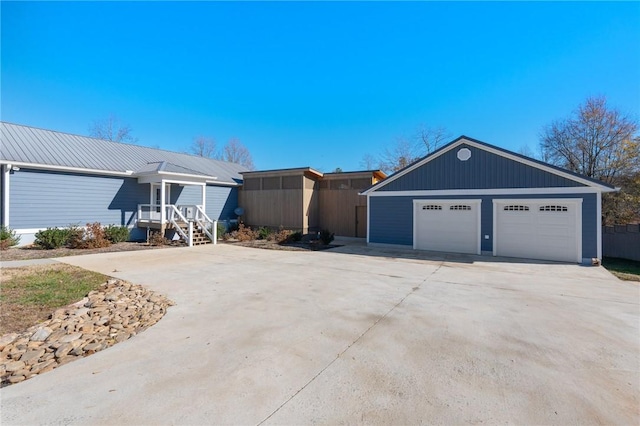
{"points": [[177, 215]]}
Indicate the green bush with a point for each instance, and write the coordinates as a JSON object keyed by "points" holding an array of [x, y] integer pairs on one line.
{"points": [[296, 237], [52, 238], [117, 234], [8, 238], [263, 233], [326, 236], [221, 229]]}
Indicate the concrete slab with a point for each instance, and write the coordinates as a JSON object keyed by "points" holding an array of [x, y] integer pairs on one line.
{"points": [[354, 335]]}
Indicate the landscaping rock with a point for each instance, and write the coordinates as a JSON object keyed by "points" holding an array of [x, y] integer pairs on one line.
{"points": [[114, 313]]}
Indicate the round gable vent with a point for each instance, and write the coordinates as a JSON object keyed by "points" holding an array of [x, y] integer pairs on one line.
{"points": [[464, 154]]}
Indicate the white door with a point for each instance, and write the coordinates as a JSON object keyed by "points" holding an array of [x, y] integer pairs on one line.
{"points": [[448, 226], [538, 229], [156, 199]]}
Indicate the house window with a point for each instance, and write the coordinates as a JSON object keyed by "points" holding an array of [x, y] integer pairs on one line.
{"points": [[515, 208], [553, 208], [460, 207], [431, 207]]}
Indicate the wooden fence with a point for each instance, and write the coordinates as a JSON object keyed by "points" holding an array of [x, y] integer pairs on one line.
{"points": [[621, 241]]}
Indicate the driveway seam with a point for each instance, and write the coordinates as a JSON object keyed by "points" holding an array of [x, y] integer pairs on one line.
{"points": [[413, 290]]}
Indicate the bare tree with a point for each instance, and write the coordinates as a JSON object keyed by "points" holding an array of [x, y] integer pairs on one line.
{"points": [[112, 129], [203, 146], [369, 162], [398, 156], [601, 143], [405, 151], [235, 152], [595, 141], [430, 138]]}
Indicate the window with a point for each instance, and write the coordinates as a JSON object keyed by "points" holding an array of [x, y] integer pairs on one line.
{"points": [[553, 208], [460, 207], [516, 208], [431, 207]]}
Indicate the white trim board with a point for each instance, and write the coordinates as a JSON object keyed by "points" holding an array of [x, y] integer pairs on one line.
{"points": [[479, 192], [463, 140]]}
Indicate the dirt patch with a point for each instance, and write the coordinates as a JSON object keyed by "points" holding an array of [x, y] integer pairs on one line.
{"points": [[34, 252], [272, 245]]}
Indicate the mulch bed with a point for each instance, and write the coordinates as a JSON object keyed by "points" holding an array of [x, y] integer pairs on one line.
{"points": [[34, 252], [272, 245]]}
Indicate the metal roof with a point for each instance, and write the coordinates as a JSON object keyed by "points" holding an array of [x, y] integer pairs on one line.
{"points": [[30, 145]]}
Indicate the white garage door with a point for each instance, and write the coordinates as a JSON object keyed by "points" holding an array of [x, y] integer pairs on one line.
{"points": [[449, 226], [538, 229]]}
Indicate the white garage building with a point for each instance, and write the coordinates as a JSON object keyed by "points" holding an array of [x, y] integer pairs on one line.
{"points": [[475, 198]]}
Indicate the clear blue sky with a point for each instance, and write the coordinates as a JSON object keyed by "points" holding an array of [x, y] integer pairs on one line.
{"points": [[315, 84]]}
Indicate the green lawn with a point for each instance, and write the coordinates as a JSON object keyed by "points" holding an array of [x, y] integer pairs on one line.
{"points": [[30, 294], [624, 269]]}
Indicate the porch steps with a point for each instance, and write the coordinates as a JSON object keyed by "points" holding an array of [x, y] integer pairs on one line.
{"points": [[199, 237]]}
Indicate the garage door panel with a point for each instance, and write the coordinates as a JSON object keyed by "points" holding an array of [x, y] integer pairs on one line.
{"points": [[538, 229], [449, 226]]}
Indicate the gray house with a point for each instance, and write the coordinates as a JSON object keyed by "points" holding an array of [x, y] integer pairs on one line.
{"points": [[472, 197], [52, 179]]}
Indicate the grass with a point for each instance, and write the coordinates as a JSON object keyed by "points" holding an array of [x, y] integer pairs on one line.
{"points": [[628, 270], [30, 294]]}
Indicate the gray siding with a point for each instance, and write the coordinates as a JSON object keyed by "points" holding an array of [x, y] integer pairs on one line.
{"points": [[391, 219], [221, 202], [40, 199], [484, 170]]}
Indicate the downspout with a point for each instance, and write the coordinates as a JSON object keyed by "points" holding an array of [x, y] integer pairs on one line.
{"points": [[6, 171]]}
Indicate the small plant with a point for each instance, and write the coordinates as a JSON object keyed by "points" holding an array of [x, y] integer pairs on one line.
{"points": [[92, 236], [8, 238], [326, 236], [156, 238], [264, 233], [117, 234], [296, 237], [51, 238], [244, 233], [221, 230]]}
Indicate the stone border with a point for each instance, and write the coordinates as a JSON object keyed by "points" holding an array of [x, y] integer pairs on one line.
{"points": [[113, 313]]}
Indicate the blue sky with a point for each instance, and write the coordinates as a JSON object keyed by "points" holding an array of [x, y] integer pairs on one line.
{"points": [[315, 84]]}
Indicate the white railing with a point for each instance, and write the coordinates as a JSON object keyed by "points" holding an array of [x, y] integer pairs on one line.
{"points": [[179, 215], [173, 216]]}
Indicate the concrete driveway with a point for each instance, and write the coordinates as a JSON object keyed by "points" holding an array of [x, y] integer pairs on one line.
{"points": [[354, 335]]}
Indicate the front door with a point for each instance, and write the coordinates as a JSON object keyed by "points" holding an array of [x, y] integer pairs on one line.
{"points": [[156, 197]]}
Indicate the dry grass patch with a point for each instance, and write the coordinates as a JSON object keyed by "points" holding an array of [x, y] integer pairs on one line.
{"points": [[30, 294]]}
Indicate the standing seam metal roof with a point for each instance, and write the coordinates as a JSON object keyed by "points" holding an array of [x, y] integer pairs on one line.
{"points": [[26, 144]]}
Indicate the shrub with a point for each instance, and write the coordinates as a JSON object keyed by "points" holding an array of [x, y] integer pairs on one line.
{"points": [[244, 233], [117, 234], [326, 236], [8, 238], [296, 237], [92, 236], [51, 238], [221, 230], [264, 233], [156, 238]]}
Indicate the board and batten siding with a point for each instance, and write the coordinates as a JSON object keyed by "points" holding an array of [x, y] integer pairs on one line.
{"points": [[41, 199], [391, 218], [484, 170]]}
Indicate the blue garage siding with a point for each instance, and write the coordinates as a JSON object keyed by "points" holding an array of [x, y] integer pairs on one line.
{"points": [[221, 202], [484, 170], [391, 218], [40, 199]]}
